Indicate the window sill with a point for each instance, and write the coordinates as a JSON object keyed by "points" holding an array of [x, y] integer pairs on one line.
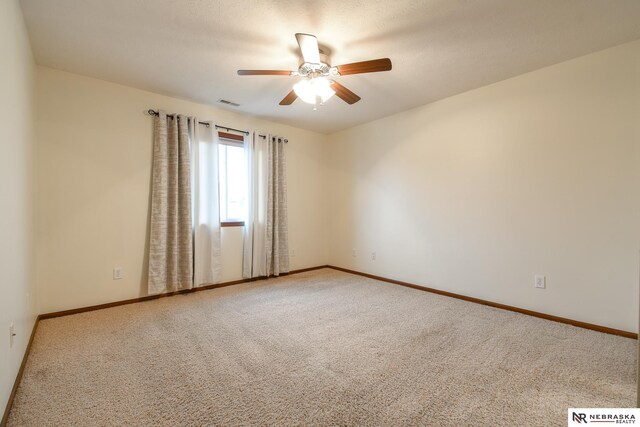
{"points": [[232, 224]]}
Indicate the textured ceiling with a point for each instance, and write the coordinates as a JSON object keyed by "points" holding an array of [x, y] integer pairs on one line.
{"points": [[192, 48]]}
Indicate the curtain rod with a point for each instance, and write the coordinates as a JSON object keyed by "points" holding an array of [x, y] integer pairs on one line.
{"points": [[207, 124], [232, 129], [286, 141], [155, 113]]}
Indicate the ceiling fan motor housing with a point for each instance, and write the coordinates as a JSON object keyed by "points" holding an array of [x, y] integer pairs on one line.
{"points": [[308, 69]]}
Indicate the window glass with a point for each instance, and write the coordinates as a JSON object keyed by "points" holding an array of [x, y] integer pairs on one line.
{"points": [[233, 182]]}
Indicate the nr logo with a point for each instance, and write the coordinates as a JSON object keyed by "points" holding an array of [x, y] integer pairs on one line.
{"points": [[579, 418]]}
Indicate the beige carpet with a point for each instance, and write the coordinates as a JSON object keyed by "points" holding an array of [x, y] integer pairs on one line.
{"points": [[319, 348]]}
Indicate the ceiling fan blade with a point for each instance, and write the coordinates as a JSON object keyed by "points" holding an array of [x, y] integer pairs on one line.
{"points": [[345, 94], [373, 66], [288, 100], [264, 73], [308, 47]]}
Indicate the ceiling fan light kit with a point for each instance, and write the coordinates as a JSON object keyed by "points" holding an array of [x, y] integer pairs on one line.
{"points": [[312, 89], [317, 86]]}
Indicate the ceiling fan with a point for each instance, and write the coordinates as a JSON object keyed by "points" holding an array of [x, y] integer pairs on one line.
{"points": [[318, 84]]}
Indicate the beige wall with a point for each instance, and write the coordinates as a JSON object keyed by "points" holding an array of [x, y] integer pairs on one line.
{"points": [[94, 151], [477, 193], [16, 192], [473, 194]]}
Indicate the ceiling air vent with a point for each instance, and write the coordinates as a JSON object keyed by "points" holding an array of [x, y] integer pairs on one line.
{"points": [[224, 101]]}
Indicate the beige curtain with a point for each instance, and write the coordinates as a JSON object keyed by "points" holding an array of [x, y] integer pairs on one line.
{"points": [[171, 242], [277, 223], [266, 232]]}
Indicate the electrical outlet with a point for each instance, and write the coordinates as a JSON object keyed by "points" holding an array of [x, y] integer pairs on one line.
{"points": [[12, 335], [292, 253], [373, 256], [353, 252], [540, 282], [117, 273]]}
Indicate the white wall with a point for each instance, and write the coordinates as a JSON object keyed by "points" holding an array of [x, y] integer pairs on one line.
{"points": [[477, 193], [16, 192], [94, 153]]}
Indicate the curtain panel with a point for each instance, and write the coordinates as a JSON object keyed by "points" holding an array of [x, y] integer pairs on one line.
{"points": [[266, 236], [170, 242], [254, 260], [277, 220], [206, 205]]}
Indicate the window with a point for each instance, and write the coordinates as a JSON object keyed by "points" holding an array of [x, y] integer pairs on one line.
{"points": [[233, 181]]}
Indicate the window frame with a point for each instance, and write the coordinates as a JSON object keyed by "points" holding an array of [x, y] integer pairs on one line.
{"points": [[232, 140]]}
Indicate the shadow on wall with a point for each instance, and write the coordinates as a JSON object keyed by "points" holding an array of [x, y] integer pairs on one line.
{"points": [[144, 276]]}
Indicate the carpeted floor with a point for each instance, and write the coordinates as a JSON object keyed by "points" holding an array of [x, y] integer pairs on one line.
{"points": [[319, 348]]}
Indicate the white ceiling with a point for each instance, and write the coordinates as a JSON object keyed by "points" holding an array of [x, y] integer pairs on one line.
{"points": [[192, 48]]}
